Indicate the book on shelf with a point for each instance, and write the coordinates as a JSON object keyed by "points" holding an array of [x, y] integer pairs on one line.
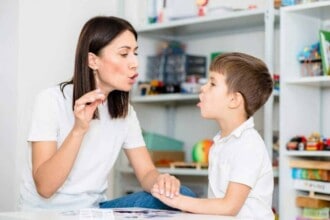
{"points": [[307, 218], [312, 186], [321, 213], [309, 202], [310, 164], [311, 174]]}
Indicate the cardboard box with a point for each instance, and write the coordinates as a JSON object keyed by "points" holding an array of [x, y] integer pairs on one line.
{"points": [[164, 158]]}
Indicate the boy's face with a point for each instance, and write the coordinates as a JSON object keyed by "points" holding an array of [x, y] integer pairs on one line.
{"points": [[214, 97]]}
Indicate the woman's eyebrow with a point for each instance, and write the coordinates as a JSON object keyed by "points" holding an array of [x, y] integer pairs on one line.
{"points": [[127, 47]]}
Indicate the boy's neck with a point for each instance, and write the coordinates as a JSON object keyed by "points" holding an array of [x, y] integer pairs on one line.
{"points": [[228, 125]]}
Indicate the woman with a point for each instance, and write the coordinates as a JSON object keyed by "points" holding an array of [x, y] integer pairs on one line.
{"points": [[79, 127]]}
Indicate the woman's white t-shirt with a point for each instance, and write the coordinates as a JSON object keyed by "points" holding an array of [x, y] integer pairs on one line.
{"points": [[87, 182], [242, 157]]}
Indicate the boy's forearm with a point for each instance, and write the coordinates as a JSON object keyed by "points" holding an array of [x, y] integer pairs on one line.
{"points": [[205, 206]]}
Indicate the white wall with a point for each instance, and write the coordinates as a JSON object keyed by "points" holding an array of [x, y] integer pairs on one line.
{"points": [[37, 42], [8, 91]]}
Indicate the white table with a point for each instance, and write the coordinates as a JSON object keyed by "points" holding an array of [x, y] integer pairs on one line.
{"points": [[108, 214]]}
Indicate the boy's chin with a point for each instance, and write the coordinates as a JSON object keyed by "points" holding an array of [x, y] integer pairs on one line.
{"points": [[205, 116]]}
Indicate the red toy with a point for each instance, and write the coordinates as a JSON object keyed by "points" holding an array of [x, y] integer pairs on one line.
{"points": [[297, 143], [201, 7]]}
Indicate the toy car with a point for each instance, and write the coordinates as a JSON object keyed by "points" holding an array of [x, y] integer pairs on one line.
{"points": [[297, 143]]}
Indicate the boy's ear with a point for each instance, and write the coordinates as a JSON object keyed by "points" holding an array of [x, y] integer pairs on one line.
{"points": [[236, 100], [92, 60]]}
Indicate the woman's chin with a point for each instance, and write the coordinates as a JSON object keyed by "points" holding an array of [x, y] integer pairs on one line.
{"points": [[125, 89]]}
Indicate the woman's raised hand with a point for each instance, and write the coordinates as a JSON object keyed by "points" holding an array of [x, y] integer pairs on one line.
{"points": [[85, 107]]}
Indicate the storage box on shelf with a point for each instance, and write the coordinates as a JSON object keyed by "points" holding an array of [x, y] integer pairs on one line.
{"points": [[304, 105]]}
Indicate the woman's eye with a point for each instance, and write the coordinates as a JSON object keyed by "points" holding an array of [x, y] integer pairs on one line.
{"points": [[136, 54], [212, 84], [124, 54]]}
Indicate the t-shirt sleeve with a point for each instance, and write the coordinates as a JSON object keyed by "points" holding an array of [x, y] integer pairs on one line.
{"points": [[44, 123], [134, 136], [247, 164]]}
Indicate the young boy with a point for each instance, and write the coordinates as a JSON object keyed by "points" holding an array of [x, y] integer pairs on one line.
{"points": [[240, 171]]}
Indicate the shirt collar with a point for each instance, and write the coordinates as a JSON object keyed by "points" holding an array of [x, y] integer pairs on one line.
{"points": [[249, 123]]}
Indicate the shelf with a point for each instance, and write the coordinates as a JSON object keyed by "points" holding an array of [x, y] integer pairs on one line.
{"points": [[315, 9], [199, 25], [317, 81], [308, 153], [183, 171], [173, 171], [166, 98]]}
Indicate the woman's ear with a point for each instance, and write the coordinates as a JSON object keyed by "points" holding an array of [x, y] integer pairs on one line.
{"points": [[92, 61], [236, 100]]}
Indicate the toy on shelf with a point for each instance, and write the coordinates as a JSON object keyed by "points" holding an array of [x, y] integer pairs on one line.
{"points": [[186, 165], [326, 143], [314, 142], [201, 150], [310, 59], [201, 4], [297, 143]]}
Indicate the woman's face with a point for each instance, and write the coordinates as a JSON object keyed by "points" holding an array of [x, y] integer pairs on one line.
{"points": [[116, 65]]}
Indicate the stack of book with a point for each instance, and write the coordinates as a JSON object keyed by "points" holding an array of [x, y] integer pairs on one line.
{"points": [[313, 177]]}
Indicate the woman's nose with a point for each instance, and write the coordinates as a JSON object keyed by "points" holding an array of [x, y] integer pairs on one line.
{"points": [[134, 62]]}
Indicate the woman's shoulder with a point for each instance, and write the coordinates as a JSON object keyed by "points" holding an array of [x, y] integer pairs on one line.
{"points": [[56, 92], [131, 111]]}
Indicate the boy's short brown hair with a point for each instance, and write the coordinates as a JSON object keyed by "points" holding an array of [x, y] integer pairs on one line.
{"points": [[247, 75]]}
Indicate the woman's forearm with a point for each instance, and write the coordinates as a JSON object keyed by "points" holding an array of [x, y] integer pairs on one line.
{"points": [[51, 174], [149, 180]]}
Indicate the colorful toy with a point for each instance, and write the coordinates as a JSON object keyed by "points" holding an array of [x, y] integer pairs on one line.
{"points": [[201, 4], [297, 143], [314, 142], [200, 151]]}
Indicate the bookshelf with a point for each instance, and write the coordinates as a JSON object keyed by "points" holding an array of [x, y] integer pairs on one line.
{"points": [[303, 104]]}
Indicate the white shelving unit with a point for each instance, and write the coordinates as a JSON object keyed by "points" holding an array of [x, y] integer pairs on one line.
{"points": [[193, 32], [304, 105], [186, 28], [167, 99], [173, 171], [203, 27]]}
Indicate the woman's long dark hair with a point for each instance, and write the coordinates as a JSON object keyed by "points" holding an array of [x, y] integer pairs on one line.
{"points": [[97, 33]]}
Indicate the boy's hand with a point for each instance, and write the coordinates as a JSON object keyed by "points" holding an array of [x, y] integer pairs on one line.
{"points": [[172, 202]]}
